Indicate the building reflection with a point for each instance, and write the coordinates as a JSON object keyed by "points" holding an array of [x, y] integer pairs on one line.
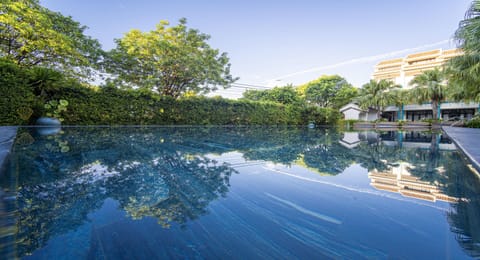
{"points": [[398, 163], [398, 179]]}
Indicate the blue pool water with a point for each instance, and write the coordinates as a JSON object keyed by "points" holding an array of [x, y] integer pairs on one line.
{"points": [[237, 193]]}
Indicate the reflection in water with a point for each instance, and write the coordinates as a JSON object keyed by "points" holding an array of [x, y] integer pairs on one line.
{"points": [[398, 179], [170, 174], [422, 165], [306, 211]]}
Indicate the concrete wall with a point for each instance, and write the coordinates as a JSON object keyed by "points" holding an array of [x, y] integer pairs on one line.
{"points": [[351, 114], [368, 116], [371, 115]]}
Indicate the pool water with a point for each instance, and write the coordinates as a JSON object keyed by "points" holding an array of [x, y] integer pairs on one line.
{"points": [[237, 193]]}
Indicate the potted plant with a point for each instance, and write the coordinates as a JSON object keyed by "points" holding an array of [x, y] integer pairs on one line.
{"points": [[53, 112], [52, 121]]}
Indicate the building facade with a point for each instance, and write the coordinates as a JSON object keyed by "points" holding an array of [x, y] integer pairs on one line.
{"points": [[402, 70], [354, 112]]}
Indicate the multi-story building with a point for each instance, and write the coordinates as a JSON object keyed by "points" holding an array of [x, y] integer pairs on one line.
{"points": [[401, 71]]}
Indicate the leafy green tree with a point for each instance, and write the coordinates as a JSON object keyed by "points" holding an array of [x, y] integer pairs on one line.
{"points": [[31, 35], [464, 70], [329, 91], [378, 95], [255, 95], [429, 87], [170, 60], [283, 95]]}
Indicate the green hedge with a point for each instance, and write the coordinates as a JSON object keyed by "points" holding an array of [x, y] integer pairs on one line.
{"points": [[15, 94], [113, 106]]}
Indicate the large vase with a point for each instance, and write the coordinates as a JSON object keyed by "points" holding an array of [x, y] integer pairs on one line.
{"points": [[48, 125]]}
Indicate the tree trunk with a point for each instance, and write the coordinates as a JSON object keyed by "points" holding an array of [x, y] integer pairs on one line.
{"points": [[435, 110], [434, 144]]}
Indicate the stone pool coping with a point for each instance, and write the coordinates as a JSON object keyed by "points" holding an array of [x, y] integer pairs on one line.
{"points": [[468, 141], [7, 137]]}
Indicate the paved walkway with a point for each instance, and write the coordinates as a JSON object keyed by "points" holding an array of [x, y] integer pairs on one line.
{"points": [[7, 137], [468, 140]]}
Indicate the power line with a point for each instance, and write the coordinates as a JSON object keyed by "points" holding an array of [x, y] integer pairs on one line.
{"points": [[249, 85]]}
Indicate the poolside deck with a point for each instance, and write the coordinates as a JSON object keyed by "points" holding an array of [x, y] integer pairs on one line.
{"points": [[7, 137], [468, 140]]}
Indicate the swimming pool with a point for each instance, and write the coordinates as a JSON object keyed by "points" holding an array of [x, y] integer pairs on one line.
{"points": [[237, 192]]}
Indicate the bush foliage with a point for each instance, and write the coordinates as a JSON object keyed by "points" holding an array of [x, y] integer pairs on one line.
{"points": [[16, 95], [109, 105], [474, 123]]}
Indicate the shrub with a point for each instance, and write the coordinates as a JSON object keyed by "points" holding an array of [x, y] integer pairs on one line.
{"points": [[474, 123], [17, 100], [109, 105]]}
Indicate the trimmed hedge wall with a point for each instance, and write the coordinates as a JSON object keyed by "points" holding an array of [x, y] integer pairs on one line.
{"points": [[113, 106], [15, 94]]}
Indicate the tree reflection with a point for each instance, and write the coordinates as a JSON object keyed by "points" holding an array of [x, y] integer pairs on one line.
{"points": [[169, 174], [464, 218], [428, 162], [148, 174]]}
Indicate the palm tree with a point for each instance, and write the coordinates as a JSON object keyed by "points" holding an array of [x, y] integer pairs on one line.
{"points": [[400, 98], [464, 71], [464, 77], [429, 87], [377, 94], [44, 81], [468, 33]]}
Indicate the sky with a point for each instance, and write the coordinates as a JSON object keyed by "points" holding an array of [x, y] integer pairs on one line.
{"points": [[274, 43]]}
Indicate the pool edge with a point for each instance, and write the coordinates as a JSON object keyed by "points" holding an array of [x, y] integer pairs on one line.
{"points": [[456, 138]]}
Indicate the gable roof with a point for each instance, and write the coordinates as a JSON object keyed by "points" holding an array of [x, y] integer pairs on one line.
{"points": [[351, 106]]}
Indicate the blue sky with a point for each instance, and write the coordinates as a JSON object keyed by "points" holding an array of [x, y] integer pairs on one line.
{"points": [[279, 42]]}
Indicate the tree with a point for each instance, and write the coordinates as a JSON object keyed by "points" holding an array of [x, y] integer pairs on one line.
{"points": [[468, 33], [44, 82], [31, 35], [377, 94], [464, 70], [400, 97], [170, 60], [429, 87], [284, 95], [464, 77], [329, 91], [255, 95]]}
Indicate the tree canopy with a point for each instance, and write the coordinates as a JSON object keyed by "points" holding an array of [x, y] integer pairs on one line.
{"points": [[464, 70], [329, 91], [170, 60], [31, 35], [429, 87], [284, 95], [378, 94], [468, 33]]}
